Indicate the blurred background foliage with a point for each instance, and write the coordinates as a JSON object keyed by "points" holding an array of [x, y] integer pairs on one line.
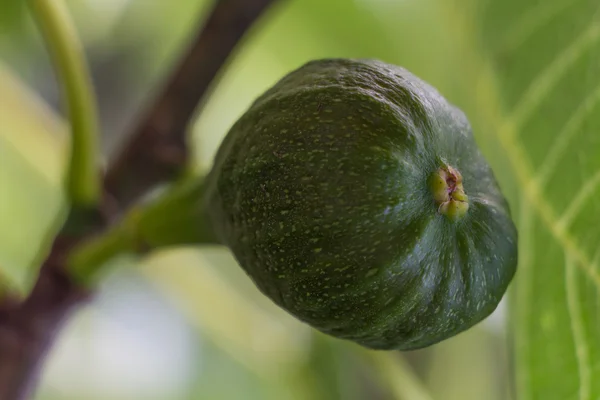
{"points": [[187, 323]]}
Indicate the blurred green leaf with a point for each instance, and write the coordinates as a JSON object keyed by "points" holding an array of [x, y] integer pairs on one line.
{"points": [[534, 74], [12, 15], [216, 373], [474, 357], [32, 146], [330, 368], [257, 339]]}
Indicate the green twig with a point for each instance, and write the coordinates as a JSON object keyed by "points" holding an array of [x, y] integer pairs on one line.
{"points": [[87, 261], [83, 181], [176, 217]]}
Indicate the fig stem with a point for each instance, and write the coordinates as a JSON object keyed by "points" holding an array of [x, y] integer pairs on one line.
{"points": [[83, 181], [174, 218]]}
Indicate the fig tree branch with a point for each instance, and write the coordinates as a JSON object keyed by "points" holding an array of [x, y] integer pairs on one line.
{"points": [[28, 328], [156, 150]]}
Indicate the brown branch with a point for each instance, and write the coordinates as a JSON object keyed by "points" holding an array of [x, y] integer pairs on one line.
{"points": [[156, 151], [28, 329]]}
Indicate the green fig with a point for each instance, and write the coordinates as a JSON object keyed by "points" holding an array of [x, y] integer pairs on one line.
{"points": [[355, 197]]}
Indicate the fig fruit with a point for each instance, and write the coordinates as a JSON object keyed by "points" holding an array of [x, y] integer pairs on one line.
{"points": [[355, 197]]}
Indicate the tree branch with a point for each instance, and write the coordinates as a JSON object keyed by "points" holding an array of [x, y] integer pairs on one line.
{"points": [[28, 329], [156, 151]]}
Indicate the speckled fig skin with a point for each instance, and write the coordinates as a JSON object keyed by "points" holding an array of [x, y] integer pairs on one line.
{"points": [[321, 190]]}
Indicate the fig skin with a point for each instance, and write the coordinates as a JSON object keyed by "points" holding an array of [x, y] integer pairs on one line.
{"points": [[323, 192]]}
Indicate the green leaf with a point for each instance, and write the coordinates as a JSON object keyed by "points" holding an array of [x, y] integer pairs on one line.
{"points": [[32, 149], [534, 83]]}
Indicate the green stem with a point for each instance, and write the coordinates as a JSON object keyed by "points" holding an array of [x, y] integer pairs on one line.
{"points": [[89, 259], [174, 218], [83, 181]]}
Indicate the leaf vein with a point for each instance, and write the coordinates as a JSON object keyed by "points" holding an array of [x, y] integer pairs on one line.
{"points": [[550, 76], [566, 134], [579, 201], [523, 293], [528, 24], [577, 330], [517, 157]]}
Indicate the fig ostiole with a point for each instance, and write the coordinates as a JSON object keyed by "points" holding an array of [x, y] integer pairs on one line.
{"points": [[448, 191]]}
